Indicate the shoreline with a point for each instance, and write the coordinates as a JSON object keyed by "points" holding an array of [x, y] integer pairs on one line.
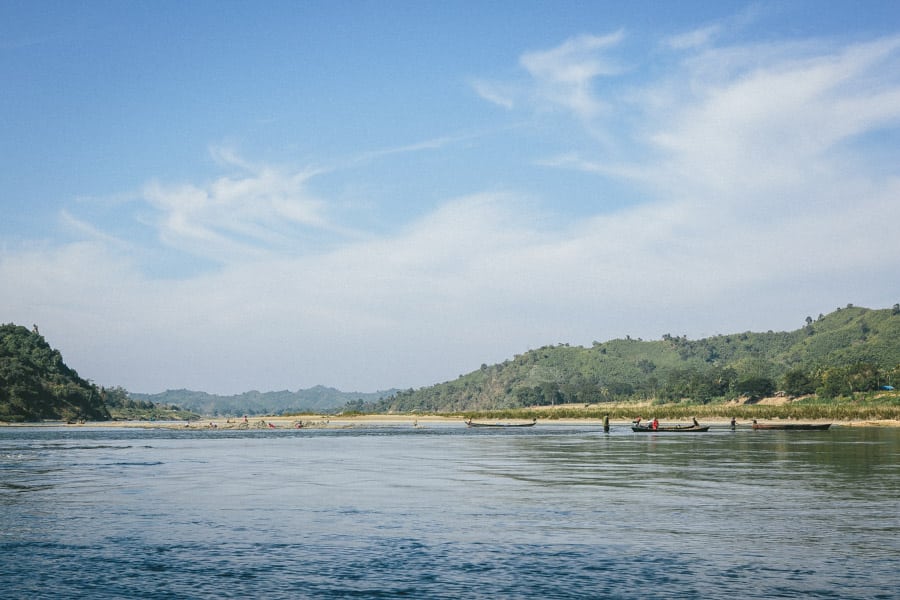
{"points": [[360, 421]]}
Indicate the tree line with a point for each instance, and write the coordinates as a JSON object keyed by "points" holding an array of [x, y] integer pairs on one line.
{"points": [[848, 351], [718, 384]]}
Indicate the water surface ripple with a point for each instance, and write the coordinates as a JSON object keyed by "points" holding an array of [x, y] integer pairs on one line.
{"points": [[446, 512]]}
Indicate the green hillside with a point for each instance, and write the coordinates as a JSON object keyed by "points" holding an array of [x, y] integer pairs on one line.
{"points": [[852, 349], [36, 384]]}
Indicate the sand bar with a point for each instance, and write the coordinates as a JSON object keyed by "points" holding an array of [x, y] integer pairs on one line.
{"points": [[368, 421]]}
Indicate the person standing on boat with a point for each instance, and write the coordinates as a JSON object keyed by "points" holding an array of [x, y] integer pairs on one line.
{"points": [[606, 423], [655, 424], [733, 424], [696, 424]]}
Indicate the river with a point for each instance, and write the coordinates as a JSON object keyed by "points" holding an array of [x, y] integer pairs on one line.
{"points": [[553, 511]]}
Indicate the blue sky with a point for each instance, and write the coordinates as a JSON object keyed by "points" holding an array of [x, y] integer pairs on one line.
{"points": [[230, 196]]}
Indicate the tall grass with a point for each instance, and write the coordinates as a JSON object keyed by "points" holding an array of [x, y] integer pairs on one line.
{"points": [[861, 408]]}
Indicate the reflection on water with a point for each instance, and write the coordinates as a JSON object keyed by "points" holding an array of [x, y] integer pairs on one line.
{"points": [[553, 511]]}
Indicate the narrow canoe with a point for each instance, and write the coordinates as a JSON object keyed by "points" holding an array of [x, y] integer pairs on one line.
{"points": [[677, 428], [794, 426], [471, 423]]}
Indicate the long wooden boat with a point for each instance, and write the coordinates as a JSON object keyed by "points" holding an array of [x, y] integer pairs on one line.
{"points": [[672, 429], [793, 426], [471, 423]]}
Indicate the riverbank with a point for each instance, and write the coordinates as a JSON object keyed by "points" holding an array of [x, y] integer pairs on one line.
{"points": [[423, 421]]}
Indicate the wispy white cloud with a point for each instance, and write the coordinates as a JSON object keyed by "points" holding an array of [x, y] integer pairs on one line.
{"points": [[760, 193], [495, 92], [86, 230], [258, 211], [564, 75], [693, 39], [576, 162], [775, 126], [748, 154], [430, 144], [744, 120], [708, 34]]}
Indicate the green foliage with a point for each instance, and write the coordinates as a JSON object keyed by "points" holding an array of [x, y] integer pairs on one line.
{"points": [[36, 384], [845, 381], [822, 355], [798, 382], [123, 406], [756, 387]]}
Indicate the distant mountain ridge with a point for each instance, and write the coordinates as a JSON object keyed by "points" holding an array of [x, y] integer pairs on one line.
{"points": [[317, 399]]}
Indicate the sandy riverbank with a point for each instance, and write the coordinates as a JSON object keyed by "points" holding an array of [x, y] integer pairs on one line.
{"points": [[362, 421]]}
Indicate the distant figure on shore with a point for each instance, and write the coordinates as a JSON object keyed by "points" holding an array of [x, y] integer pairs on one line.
{"points": [[606, 423], [733, 424]]}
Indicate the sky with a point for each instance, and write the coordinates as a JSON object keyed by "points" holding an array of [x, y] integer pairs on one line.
{"points": [[234, 196]]}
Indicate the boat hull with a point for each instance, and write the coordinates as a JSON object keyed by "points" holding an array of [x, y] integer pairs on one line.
{"points": [[794, 427], [498, 425], [687, 429]]}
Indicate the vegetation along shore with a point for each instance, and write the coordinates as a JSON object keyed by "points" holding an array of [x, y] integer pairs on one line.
{"points": [[841, 367]]}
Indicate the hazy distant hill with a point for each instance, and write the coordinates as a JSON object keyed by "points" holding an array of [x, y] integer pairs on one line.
{"points": [[318, 399], [851, 349]]}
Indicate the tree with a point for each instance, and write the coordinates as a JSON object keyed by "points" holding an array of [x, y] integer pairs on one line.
{"points": [[528, 396], [797, 382], [833, 383], [550, 392], [646, 366], [863, 377], [844, 381], [755, 387]]}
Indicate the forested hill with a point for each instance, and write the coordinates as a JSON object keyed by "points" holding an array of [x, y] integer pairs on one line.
{"points": [[316, 399], [851, 349], [36, 384]]}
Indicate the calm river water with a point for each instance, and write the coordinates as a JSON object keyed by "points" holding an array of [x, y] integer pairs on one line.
{"points": [[445, 512]]}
